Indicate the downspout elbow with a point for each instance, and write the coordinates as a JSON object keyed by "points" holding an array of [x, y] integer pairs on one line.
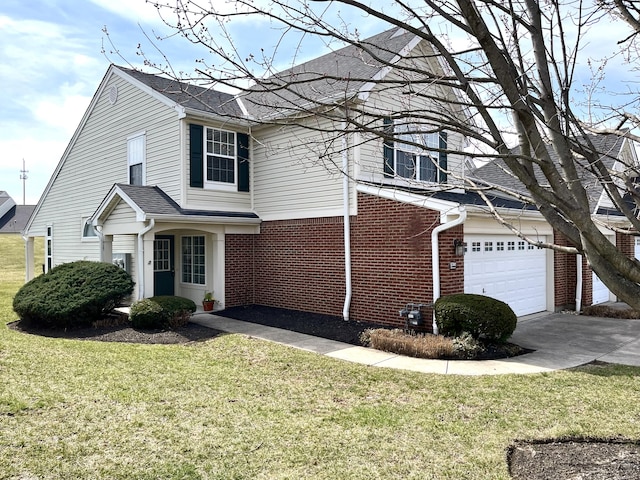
{"points": [[435, 254]]}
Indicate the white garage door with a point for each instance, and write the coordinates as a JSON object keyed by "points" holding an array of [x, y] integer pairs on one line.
{"points": [[507, 268], [600, 292]]}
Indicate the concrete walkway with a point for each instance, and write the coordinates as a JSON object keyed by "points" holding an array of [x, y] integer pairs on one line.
{"points": [[560, 340]]}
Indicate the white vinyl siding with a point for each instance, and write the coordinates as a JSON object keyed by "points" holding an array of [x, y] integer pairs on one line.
{"points": [[294, 162], [384, 100], [203, 198], [98, 159]]}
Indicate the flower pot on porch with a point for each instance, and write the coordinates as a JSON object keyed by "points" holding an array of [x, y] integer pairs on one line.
{"points": [[207, 305]]}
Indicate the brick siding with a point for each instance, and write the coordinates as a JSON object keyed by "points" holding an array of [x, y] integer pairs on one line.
{"points": [[299, 264]]}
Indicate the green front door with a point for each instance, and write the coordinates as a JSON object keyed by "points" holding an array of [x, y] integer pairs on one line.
{"points": [[164, 272]]}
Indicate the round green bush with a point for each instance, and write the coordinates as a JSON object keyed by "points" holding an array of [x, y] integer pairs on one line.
{"points": [[479, 315], [73, 294], [147, 313], [162, 312]]}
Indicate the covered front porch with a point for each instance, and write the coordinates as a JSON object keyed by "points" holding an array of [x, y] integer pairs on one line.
{"points": [[167, 250]]}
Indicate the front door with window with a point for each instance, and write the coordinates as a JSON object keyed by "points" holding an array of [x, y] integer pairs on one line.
{"points": [[163, 265]]}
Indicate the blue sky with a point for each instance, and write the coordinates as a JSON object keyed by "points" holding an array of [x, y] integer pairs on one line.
{"points": [[51, 63]]}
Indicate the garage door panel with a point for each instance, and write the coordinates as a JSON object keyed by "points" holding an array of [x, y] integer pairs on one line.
{"points": [[506, 268]]}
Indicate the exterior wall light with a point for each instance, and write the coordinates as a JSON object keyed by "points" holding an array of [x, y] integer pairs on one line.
{"points": [[458, 247]]}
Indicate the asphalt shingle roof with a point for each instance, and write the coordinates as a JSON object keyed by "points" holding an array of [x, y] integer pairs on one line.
{"points": [[497, 173], [339, 74], [155, 202], [190, 96]]}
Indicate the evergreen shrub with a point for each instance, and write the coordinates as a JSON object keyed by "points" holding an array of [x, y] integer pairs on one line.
{"points": [[73, 294], [479, 315], [162, 312]]}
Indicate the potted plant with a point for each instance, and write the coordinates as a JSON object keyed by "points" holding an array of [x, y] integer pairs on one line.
{"points": [[208, 302]]}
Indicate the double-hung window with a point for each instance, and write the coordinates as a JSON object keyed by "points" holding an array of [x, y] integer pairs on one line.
{"points": [[414, 153], [136, 153], [193, 260], [220, 151]]}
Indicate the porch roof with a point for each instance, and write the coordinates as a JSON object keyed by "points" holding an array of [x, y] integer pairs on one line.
{"points": [[152, 202]]}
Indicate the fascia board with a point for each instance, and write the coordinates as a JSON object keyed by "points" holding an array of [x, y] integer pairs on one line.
{"points": [[444, 207], [224, 119], [116, 191], [150, 91], [218, 220], [70, 145], [367, 88]]}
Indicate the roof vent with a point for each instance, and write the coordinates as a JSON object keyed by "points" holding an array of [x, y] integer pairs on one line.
{"points": [[113, 94]]}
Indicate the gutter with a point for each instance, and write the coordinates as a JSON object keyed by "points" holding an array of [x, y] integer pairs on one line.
{"points": [[435, 254], [141, 234], [347, 227]]}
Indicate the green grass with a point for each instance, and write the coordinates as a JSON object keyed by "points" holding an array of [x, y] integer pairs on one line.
{"points": [[240, 408]]}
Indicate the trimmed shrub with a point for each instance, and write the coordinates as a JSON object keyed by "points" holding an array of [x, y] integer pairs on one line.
{"points": [[162, 312], [479, 315], [73, 294]]}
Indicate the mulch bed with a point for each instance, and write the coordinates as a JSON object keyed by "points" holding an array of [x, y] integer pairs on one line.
{"points": [[316, 324], [123, 332], [575, 459], [335, 328]]}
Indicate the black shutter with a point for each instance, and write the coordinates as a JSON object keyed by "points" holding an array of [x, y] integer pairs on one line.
{"points": [[388, 147], [196, 157], [442, 158], [243, 161]]}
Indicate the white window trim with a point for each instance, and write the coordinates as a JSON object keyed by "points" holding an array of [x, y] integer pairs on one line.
{"points": [[83, 238], [135, 136], [213, 185], [48, 240], [182, 282], [431, 155]]}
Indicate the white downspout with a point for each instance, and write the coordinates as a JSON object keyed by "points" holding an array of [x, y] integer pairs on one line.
{"points": [[578, 283], [141, 234], [435, 255], [347, 226]]}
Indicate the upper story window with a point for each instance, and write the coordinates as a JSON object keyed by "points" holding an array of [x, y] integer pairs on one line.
{"points": [[218, 159], [221, 156], [136, 158], [414, 154]]}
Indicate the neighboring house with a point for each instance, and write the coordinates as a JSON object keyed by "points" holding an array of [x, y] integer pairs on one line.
{"points": [[575, 283], [13, 218], [194, 190]]}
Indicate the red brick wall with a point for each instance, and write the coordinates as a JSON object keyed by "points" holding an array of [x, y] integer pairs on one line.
{"points": [[626, 244], [239, 270], [299, 264], [565, 275]]}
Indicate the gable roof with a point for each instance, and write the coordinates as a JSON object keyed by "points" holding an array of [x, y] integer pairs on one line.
{"points": [[152, 202], [339, 75], [13, 218], [189, 96], [497, 173]]}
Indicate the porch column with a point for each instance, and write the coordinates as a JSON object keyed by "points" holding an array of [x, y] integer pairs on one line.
{"points": [[219, 268], [106, 251], [29, 258], [148, 265]]}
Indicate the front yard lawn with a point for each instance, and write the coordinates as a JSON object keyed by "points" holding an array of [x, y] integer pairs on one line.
{"points": [[237, 407]]}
